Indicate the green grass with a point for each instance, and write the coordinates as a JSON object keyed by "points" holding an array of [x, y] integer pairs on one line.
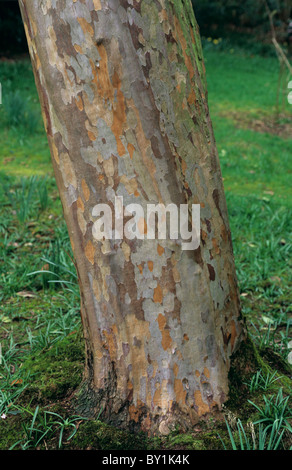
{"points": [[253, 163], [41, 349], [24, 147]]}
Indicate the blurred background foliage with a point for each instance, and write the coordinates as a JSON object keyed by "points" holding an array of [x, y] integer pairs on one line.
{"points": [[244, 22], [11, 29]]}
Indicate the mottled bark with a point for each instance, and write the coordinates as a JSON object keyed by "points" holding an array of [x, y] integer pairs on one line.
{"points": [[123, 94]]}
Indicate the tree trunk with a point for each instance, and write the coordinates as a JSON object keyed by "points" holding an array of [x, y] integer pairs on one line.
{"points": [[123, 94]]}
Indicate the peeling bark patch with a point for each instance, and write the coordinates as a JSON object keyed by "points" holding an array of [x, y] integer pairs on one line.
{"points": [[80, 204], [119, 115], [233, 334], [86, 27], [183, 42], [85, 190], [212, 274], [131, 150], [158, 295], [150, 266], [203, 408], [68, 170], [90, 252], [79, 103], [97, 5], [198, 257], [166, 338], [55, 152], [180, 393], [160, 250]]}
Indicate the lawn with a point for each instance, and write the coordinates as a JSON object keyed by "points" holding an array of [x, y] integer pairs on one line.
{"points": [[41, 346]]}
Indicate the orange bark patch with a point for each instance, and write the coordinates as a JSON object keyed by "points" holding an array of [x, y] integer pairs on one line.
{"points": [[215, 246], [204, 235], [86, 27], [157, 397], [203, 408], [158, 295], [180, 393], [104, 86], [184, 46], [78, 48], [150, 265], [85, 190], [192, 97], [161, 321], [90, 252], [80, 204], [206, 373], [79, 103], [163, 15], [55, 152], [175, 369], [111, 343], [131, 150], [111, 91], [97, 5], [184, 167], [160, 250], [166, 338], [91, 136], [192, 34]]}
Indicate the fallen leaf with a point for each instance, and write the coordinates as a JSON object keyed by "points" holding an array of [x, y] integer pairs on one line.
{"points": [[267, 320], [26, 293], [6, 319], [16, 382]]}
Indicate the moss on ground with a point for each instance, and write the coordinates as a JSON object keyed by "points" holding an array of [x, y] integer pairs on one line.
{"points": [[95, 435], [57, 371]]}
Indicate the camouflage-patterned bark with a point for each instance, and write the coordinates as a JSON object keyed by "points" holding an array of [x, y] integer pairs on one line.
{"points": [[123, 94]]}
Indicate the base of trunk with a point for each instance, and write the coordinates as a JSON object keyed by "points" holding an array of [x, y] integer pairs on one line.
{"points": [[107, 406]]}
